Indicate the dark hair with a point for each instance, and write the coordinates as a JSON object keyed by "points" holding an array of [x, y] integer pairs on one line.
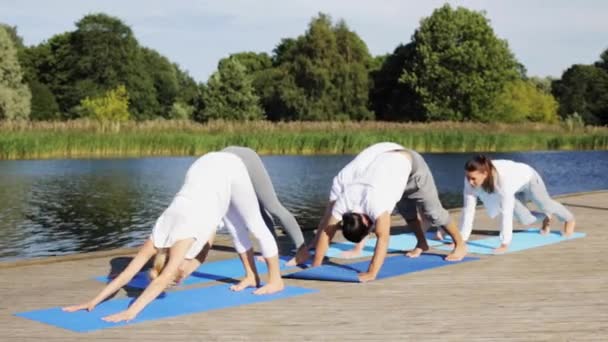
{"points": [[353, 227], [482, 163]]}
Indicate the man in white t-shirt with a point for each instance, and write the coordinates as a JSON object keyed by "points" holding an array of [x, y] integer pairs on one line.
{"points": [[364, 194]]}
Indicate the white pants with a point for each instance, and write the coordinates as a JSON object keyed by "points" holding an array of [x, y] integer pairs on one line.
{"points": [[244, 215]]}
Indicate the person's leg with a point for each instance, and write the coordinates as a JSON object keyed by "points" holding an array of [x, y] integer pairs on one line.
{"points": [[264, 190], [243, 201], [431, 209], [407, 208], [542, 199], [243, 247]]}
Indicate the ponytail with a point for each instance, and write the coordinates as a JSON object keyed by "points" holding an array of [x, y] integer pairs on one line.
{"points": [[482, 163]]}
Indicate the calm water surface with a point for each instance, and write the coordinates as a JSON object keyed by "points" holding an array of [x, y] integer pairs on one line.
{"points": [[55, 207]]}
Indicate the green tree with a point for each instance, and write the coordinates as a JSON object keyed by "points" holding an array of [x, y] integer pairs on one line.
{"points": [[522, 101], [583, 89], [113, 106], [459, 65], [14, 94], [391, 99], [229, 94], [321, 75], [44, 105], [164, 78]]}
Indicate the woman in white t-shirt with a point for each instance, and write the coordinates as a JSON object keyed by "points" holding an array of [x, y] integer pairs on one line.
{"points": [[497, 183], [217, 188], [364, 194]]}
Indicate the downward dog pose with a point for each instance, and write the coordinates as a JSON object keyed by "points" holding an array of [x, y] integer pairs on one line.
{"points": [[364, 194], [497, 183], [217, 187], [267, 198]]}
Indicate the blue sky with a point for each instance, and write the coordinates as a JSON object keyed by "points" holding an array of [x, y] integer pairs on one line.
{"points": [[546, 36]]}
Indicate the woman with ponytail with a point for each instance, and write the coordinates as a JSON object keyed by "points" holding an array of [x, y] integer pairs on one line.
{"points": [[497, 183], [217, 188]]}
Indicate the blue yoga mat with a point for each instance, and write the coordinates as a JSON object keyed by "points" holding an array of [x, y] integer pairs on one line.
{"points": [[175, 303], [208, 271], [393, 266], [527, 239], [398, 243]]}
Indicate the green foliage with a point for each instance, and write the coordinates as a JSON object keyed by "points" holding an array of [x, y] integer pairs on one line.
{"points": [[14, 93], [523, 101], [322, 75], [393, 100], [583, 89], [166, 137], [181, 111], [44, 105], [113, 106], [230, 95], [459, 65], [573, 122]]}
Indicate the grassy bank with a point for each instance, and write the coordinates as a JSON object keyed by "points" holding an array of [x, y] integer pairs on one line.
{"points": [[28, 140]]}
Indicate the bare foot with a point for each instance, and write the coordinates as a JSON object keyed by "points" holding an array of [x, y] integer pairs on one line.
{"points": [[546, 228], [271, 287], [245, 283], [353, 253], [439, 234], [414, 253], [569, 228], [500, 250], [457, 254]]}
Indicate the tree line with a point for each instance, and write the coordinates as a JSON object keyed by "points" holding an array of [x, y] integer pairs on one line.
{"points": [[454, 67]]}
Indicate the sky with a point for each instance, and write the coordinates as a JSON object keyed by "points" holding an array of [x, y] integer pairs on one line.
{"points": [[546, 36]]}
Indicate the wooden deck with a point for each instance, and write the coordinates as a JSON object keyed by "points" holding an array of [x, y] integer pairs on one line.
{"points": [[553, 293]]}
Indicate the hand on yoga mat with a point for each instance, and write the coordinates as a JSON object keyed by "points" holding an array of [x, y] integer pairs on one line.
{"points": [[119, 317], [366, 276], [89, 306]]}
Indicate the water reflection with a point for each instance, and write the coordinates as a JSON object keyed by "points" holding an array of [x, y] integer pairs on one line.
{"points": [[56, 207]]}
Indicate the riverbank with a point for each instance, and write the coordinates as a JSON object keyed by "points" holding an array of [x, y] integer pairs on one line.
{"points": [[78, 139]]}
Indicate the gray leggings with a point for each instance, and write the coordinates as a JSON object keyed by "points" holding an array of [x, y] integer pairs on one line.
{"points": [[267, 198], [537, 192], [421, 195]]}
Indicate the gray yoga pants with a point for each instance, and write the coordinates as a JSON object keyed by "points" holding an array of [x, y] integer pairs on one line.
{"points": [[267, 198], [421, 195], [536, 191]]}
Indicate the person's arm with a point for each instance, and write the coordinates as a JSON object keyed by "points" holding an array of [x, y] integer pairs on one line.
{"points": [[468, 211], [324, 221], [302, 254], [144, 254], [325, 236], [506, 222], [176, 255], [383, 227]]}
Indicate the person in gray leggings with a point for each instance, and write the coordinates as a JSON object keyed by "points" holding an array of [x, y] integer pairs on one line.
{"points": [[364, 194], [267, 198]]}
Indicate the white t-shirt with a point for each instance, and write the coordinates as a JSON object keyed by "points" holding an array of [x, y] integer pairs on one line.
{"points": [[372, 183], [512, 178], [200, 205]]}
